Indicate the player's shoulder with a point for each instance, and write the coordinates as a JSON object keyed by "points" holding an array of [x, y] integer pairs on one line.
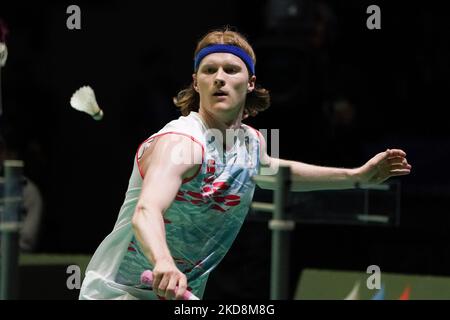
{"points": [[249, 130], [176, 140], [170, 151], [184, 125]]}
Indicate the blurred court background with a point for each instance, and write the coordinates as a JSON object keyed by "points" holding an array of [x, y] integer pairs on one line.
{"points": [[340, 94]]}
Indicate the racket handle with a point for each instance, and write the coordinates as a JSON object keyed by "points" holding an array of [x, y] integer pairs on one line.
{"points": [[147, 278]]}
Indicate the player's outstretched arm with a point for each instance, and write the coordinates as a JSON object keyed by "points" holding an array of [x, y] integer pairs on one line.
{"points": [[307, 177]]}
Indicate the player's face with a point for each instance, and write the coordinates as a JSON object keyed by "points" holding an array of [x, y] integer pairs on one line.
{"points": [[223, 82]]}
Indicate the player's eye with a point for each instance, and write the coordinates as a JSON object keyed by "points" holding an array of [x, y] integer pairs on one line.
{"points": [[209, 70], [231, 69]]}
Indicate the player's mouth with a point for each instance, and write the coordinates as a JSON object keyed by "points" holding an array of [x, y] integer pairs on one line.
{"points": [[220, 93]]}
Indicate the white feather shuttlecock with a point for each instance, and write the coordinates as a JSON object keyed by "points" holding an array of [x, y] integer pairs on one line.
{"points": [[84, 100]]}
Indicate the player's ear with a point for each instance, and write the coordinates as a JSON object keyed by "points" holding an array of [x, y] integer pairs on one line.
{"points": [[251, 84], [194, 82]]}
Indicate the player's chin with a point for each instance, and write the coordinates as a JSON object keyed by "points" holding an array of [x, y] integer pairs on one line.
{"points": [[222, 106]]}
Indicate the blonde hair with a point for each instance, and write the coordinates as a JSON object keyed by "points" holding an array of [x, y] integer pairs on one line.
{"points": [[258, 100]]}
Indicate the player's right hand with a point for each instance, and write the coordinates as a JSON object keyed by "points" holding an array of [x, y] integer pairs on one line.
{"points": [[168, 281]]}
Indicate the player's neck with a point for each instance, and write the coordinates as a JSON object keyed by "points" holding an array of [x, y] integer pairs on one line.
{"points": [[221, 123]]}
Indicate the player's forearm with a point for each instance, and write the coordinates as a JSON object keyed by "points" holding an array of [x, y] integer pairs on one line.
{"points": [[306, 177], [148, 225]]}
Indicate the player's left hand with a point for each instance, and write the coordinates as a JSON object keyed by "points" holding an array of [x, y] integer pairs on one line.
{"points": [[384, 165]]}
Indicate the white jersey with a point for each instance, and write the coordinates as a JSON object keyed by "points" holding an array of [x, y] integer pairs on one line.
{"points": [[201, 223]]}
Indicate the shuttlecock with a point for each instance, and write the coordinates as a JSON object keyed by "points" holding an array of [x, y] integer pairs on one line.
{"points": [[84, 100]]}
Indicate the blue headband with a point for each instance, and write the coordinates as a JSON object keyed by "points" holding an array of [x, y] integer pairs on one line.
{"points": [[237, 51]]}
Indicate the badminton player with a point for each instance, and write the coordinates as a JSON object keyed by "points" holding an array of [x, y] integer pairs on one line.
{"points": [[191, 185]]}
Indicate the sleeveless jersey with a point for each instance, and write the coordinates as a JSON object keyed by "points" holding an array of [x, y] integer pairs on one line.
{"points": [[201, 223]]}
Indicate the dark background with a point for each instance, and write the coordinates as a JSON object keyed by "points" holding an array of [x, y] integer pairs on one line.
{"points": [[310, 55]]}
